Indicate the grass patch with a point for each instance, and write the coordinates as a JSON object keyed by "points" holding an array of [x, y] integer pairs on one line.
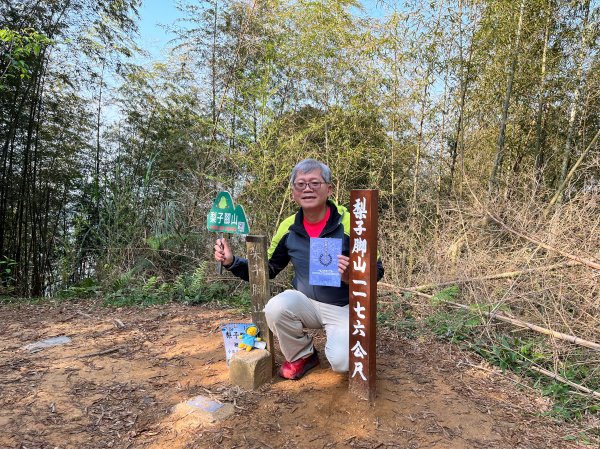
{"points": [[134, 288], [396, 314], [454, 326], [190, 288], [86, 288], [17, 300], [447, 294], [519, 354]]}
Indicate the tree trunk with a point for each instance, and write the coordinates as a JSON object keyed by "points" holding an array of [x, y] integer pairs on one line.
{"points": [[38, 237], [454, 150], [539, 138], [420, 144], [96, 206], [465, 78], [7, 162], [493, 183], [566, 158], [413, 208], [561, 188], [22, 251], [213, 72], [395, 107], [438, 207]]}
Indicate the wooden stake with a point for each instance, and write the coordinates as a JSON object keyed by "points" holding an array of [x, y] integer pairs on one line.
{"points": [[363, 293], [260, 292]]}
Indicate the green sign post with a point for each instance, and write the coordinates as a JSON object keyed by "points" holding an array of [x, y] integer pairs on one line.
{"points": [[227, 218], [224, 217]]}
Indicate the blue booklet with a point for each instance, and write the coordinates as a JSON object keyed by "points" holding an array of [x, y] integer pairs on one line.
{"points": [[323, 267]]}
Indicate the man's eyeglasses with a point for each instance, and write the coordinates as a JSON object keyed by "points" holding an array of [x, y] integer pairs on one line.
{"points": [[301, 185]]}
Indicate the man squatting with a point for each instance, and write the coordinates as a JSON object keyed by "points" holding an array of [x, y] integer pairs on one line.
{"points": [[306, 306]]}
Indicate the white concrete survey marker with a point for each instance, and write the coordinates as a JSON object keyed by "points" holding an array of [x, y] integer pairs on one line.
{"points": [[47, 343], [203, 410]]}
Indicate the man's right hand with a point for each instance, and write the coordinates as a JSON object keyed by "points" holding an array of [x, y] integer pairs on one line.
{"points": [[223, 252]]}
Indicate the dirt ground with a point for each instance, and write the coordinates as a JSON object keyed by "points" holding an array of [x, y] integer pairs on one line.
{"points": [[115, 384]]}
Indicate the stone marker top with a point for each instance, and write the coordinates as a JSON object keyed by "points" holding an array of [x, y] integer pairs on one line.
{"points": [[202, 410], [205, 404], [47, 343]]}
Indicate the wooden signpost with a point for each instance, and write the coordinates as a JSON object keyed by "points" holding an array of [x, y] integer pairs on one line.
{"points": [[260, 293], [363, 293]]}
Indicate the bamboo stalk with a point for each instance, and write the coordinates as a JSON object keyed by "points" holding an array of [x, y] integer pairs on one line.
{"points": [[568, 177], [506, 274], [542, 330], [564, 381], [582, 260], [393, 287], [514, 321]]}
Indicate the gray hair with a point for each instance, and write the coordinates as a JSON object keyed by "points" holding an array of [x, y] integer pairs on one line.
{"points": [[308, 165]]}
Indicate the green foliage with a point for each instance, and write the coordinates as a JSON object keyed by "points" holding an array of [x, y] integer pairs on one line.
{"points": [[191, 288], [22, 45], [143, 292], [396, 315], [567, 404], [350, 141], [512, 352], [454, 326], [122, 281], [7, 279], [46, 132], [86, 288], [448, 294], [518, 354], [588, 437]]}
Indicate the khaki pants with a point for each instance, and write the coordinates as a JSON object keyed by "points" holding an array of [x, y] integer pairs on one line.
{"points": [[290, 312]]}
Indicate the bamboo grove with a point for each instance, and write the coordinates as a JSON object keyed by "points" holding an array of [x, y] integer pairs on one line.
{"points": [[108, 165]]}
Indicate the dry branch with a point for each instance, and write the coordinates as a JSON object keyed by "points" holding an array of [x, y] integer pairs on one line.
{"points": [[515, 322], [403, 289], [564, 381], [563, 184], [582, 260], [94, 354], [118, 323], [542, 330], [505, 275]]}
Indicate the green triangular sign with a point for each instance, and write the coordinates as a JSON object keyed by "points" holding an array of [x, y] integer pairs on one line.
{"points": [[227, 218]]}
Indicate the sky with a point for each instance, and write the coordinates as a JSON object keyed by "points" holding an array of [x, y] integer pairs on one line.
{"points": [[154, 14]]}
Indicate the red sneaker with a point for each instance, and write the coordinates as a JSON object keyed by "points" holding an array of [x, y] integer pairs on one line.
{"points": [[295, 370]]}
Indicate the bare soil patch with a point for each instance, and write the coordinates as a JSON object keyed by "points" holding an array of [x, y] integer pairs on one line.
{"points": [[114, 387]]}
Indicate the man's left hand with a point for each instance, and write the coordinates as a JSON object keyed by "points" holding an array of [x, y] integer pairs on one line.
{"points": [[343, 263]]}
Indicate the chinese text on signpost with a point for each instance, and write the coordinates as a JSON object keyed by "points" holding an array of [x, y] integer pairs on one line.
{"points": [[363, 292]]}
